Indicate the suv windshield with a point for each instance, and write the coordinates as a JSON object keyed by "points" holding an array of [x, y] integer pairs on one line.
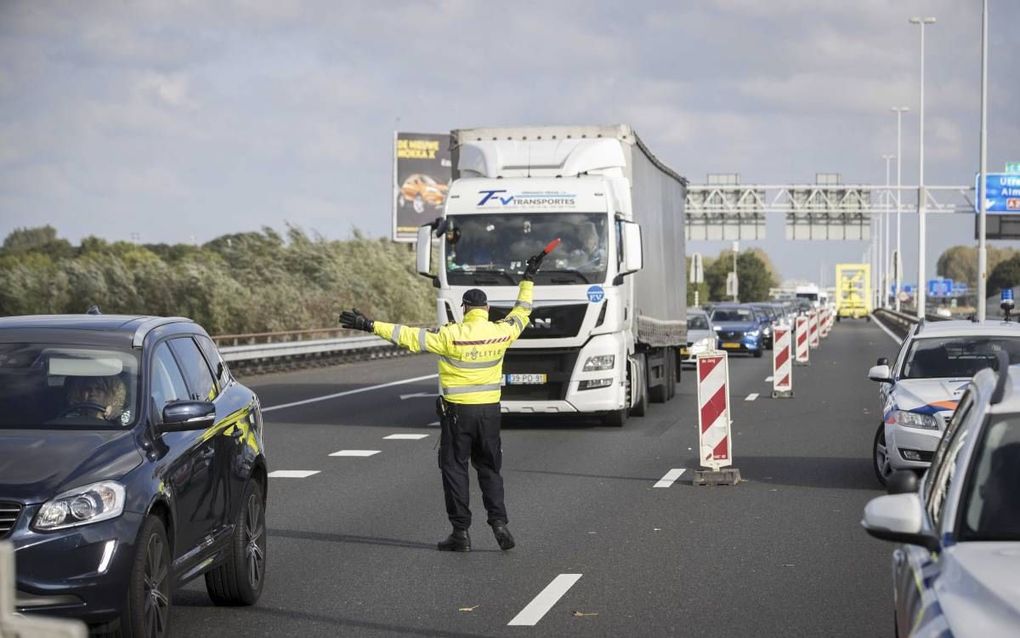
{"points": [[697, 322], [733, 314], [493, 249], [992, 500], [53, 385], [957, 357]]}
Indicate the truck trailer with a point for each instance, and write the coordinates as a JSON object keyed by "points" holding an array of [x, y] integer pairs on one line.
{"points": [[609, 310]]}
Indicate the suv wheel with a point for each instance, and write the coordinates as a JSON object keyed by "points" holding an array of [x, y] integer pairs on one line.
{"points": [[239, 580], [883, 468], [148, 607]]}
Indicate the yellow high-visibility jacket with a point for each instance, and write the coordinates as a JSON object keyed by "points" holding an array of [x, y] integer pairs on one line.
{"points": [[470, 353]]}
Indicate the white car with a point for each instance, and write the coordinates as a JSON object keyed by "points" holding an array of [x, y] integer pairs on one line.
{"points": [[921, 389], [956, 574], [700, 336]]}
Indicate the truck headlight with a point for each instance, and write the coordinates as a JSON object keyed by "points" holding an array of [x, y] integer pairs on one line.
{"points": [[600, 362], [915, 420], [81, 506]]}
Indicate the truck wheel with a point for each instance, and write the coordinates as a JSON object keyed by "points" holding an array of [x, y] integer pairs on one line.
{"points": [[673, 366], [641, 405], [658, 393]]}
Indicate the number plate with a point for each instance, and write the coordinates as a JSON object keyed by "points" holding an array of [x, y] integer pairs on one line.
{"points": [[730, 345], [525, 379]]}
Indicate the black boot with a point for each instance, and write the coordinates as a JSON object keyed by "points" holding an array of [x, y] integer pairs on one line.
{"points": [[503, 536], [458, 541]]}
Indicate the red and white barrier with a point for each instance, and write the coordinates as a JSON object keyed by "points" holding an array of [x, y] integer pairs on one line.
{"points": [[814, 339], [803, 341], [714, 441], [826, 323], [782, 362]]}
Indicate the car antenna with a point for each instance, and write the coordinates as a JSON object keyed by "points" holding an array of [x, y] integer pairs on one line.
{"points": [[1000, 382]]}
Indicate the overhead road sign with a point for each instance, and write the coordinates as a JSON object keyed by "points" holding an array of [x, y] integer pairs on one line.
{"points": [[1002, 192], [940, 287]]}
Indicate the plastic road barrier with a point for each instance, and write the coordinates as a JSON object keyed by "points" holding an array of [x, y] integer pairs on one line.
{"points": [[826, 322], [813, 337], [803, 351], [714, 410], [782, 363]]}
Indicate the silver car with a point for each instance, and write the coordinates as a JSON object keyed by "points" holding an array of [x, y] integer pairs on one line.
{"points": [[701, 335]]}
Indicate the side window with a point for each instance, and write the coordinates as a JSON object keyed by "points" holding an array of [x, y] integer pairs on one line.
{"points": [[196, 370], [167, 381], [216, 362], [959, 416], [943, 466]]}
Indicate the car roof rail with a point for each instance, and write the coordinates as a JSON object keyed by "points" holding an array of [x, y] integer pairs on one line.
{"points": [[151, 324], [1000, 381]]}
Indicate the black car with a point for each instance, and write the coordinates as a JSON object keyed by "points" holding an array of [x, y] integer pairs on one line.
{"points": [[131, 462]]}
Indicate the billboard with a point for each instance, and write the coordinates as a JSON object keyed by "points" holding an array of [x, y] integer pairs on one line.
{"points": [[421, 178]]}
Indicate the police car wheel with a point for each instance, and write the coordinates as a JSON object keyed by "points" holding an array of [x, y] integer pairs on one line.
{"points": [[880, 454]]}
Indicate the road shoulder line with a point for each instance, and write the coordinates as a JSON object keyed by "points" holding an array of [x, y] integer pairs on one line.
{"points": [[887, 330]]}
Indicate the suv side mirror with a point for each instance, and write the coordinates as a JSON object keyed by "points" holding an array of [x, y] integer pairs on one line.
{"points": [[880, 373], [184, 416], [423, 257]]}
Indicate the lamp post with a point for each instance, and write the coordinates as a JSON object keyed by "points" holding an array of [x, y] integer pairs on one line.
{"points": [[982, 178], [883, 264], [899, 110], [921, 194]]}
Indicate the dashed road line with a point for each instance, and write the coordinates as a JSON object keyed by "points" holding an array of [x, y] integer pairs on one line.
{"points": [[751, 397], [542, 603], [337, 395], [361, 453], [292, 473], [670, 477], [405, 437], [768, 379]]}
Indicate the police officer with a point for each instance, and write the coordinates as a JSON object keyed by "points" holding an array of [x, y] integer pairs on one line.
{"points": [[470, 372]]}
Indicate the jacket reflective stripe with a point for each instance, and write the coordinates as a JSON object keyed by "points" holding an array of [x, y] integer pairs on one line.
{"points": [[482, 342], [472, 365], [523, 304], [396, 333], [421, 340], [465, 389]]}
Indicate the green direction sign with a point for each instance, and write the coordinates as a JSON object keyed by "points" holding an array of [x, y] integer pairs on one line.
{"points": [[1013, 167]]}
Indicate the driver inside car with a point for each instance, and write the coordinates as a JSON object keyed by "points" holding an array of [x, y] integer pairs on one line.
{"points": [[95, 397]]}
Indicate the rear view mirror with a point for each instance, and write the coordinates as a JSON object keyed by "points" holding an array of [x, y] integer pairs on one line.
{"points": [[880, 373], [183, 416], [424, 255], [633, 257], [898, 518]]}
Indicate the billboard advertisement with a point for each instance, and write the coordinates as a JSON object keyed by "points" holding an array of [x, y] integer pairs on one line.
{"points": [[421, 178]]}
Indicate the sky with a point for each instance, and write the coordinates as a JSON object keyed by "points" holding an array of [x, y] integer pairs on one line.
{"points": [[181, 120]]}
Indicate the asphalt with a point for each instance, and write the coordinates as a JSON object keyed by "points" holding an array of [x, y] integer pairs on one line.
{"points": [[352, 548]]}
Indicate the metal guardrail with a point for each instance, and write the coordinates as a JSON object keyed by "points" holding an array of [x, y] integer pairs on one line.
{"points": [[265, 352], [901, 322]]}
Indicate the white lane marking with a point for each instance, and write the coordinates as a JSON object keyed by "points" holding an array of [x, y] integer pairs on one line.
{"points": [[434, 424], [405, 437], [405, 397], [292, 473], [670, 477], [752, 396], [348, 393], [542, 603], [888, 331], [361, 453], [768, 379]]}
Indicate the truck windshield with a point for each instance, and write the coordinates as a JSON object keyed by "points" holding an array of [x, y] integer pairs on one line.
{"points": [[493, 249]]}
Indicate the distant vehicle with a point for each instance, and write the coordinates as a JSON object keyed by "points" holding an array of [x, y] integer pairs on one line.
{"points": [[132, 463], [921, 389], [770, 316], [809, 293], [956, 575], [420, 190], [738, 328], [701, 335], [853, 291]]}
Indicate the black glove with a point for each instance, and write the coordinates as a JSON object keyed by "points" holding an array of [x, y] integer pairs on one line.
{"points": [[533, 265], [355, 320]]}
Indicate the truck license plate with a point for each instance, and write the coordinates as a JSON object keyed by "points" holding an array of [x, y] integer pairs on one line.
{"points": [[730, 345], [525, 379]]}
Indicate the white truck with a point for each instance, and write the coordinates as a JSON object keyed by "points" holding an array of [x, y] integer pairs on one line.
{"points": [[609, 314]]}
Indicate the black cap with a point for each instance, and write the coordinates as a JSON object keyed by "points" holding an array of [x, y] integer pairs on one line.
{"points": [[474, 298]]}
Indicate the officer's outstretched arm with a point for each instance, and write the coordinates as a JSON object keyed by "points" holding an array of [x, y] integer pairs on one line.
{"points": [[413, 339], [517, 319]]}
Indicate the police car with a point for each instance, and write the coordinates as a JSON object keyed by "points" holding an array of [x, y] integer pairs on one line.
{"points": [[922, 387], [956, 574]]}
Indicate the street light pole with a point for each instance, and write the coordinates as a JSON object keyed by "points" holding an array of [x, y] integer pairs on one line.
{"points": [[883, 265], [982, 291], [921, 193], [898, 261]]}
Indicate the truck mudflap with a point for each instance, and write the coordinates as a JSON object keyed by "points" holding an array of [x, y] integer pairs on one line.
{"points": [[660, 333]]}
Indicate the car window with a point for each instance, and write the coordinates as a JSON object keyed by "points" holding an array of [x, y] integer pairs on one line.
{"points": [[697, 322], [732, 314], [957, 357], [216, 362], [196, 370], [167, 381], [944, 474], [992, 498], [963, 410]]}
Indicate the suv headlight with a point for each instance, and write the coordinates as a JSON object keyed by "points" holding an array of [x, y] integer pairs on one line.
{"points": [[81, 506], [600, 362], [915, 420], [752, 333]]}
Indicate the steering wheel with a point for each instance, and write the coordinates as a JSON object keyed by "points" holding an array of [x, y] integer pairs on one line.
{"points": [[83, 408]]}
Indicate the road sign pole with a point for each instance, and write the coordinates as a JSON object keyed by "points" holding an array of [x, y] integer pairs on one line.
{"points": [[982, 179], [922, 195]]}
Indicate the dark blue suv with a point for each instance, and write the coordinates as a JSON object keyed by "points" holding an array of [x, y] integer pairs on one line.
{"points": [[131, 462]]}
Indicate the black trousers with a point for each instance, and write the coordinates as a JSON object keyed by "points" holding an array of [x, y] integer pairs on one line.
{"points": [[471, 433]]}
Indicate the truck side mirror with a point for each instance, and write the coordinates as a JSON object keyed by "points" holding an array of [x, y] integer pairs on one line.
{"points": [[424, 255], [633, 257]]}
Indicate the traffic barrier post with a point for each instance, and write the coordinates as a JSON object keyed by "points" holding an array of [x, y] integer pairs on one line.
{"points": [[715, 449], [826, 322], [782, 363], [813, 338], [802, 337]]}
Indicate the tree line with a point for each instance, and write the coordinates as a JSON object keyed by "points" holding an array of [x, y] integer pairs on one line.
{"points": [[235, 284], [959, 263]]}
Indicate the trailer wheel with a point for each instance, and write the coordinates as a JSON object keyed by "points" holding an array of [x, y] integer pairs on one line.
{"points": [[657, 393]]}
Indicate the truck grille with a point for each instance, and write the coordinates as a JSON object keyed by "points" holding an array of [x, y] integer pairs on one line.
{"points": [[556, 364], [548, 322], [9, 513]]}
